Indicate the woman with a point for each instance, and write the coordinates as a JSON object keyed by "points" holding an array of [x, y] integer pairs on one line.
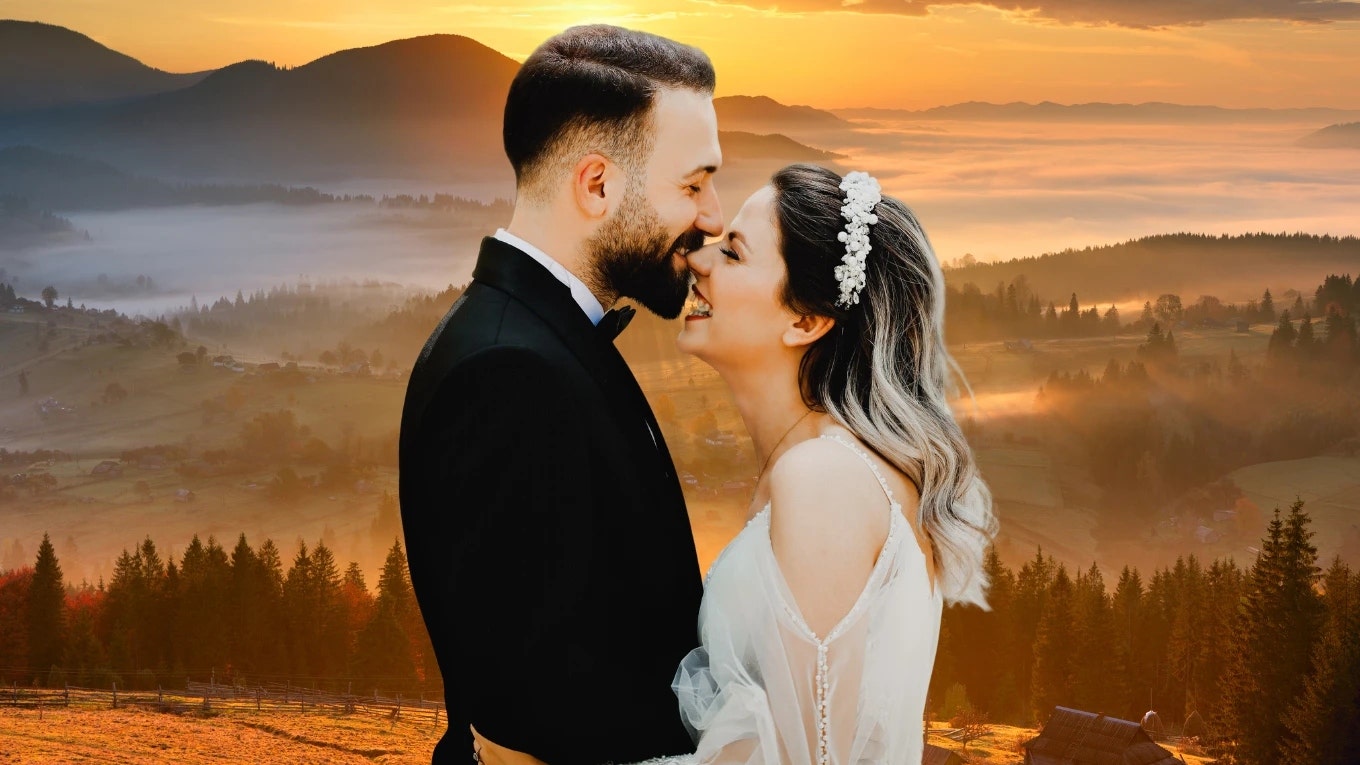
{"points": [[823, 309]]}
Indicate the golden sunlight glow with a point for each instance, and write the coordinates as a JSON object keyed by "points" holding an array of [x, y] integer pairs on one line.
{"points": [[828, 58]]}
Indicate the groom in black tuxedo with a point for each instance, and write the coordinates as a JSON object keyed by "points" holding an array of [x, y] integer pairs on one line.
{"points": [[547, 535]]}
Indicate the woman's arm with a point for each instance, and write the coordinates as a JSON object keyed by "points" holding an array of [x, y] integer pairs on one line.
{"points": [[490, 753]]}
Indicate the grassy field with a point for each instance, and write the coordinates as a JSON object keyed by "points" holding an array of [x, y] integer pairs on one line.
{"points": [[138, 737], [1004, 746]]}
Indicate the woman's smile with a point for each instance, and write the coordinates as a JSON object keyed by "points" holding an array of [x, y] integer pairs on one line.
{"points": [[699, 307]]}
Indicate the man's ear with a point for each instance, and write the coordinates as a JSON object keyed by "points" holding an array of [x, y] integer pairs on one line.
{"points": [[807, 330], [592, 180]]}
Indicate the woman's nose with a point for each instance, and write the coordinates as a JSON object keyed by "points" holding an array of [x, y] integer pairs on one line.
{"points": [[701, 260]]}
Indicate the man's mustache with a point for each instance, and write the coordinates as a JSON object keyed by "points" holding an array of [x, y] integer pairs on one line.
{"points": [[687, 242]]}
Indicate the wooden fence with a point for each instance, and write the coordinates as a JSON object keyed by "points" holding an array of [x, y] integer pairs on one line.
{"points": [[208, 697]]}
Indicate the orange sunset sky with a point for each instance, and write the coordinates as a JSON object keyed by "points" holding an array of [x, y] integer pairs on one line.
{"points": [[888, 53]]}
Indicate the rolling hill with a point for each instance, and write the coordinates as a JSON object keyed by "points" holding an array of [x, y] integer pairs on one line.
{"points": [[1229, 267], [44, 66], [740, 146], [761, 114], [1341, 136]]}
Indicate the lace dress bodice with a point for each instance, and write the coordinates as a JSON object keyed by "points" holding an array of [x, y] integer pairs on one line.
{"points": [[764, 689]]}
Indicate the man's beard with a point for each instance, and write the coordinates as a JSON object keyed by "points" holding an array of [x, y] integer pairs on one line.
{"points": [[631, 256]]}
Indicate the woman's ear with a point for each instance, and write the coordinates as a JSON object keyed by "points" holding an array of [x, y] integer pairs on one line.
{"points": [[590, 180], [807, 330]]}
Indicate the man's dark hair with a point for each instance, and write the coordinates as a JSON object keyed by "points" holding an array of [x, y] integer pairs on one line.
{"points": [[594, 85]]}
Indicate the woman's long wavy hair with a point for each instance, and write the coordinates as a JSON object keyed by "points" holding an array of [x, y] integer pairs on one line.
{"points": [[883, 371]]}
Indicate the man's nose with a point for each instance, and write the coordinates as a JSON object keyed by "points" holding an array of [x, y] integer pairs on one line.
{"points": [[710, 220]]}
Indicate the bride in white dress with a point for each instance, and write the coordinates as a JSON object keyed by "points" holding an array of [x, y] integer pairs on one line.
{"points": [[822, 309]]}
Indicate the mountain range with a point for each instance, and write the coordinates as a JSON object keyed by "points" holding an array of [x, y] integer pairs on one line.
{"points": [[425, 108], [44, 66], [422, 107], [1150, 112]]}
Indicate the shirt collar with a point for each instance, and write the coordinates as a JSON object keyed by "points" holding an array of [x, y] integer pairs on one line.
{"points": [[579, 291]]}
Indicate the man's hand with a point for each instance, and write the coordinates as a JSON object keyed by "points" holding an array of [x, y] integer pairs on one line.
{"points": [[490, 753]]}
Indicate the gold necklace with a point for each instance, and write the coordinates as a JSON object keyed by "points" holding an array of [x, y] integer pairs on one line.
{"points": [[777, 444]]}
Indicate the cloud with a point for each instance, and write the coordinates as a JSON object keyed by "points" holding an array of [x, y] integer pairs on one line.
{"points": [[1138, 14]]}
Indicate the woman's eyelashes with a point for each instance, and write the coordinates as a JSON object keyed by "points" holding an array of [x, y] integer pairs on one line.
{"points": [[730, 253]]}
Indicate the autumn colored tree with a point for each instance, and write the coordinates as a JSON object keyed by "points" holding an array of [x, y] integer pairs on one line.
{"points": [[14, 589], [358, 604], [85, 662]]}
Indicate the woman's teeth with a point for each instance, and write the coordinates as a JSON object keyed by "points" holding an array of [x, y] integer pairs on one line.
{"points": [[698, 306]]}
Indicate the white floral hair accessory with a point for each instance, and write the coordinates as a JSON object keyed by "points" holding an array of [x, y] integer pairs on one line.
{"points": [[862, 194]]}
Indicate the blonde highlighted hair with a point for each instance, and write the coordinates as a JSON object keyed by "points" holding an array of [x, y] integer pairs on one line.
{"points": [[883, 371]]}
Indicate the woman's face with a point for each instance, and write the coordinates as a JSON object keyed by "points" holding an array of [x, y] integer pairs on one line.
{"points": [[734, 316]]}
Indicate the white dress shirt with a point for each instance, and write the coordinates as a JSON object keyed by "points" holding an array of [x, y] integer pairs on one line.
{"points": [[579, 291]]}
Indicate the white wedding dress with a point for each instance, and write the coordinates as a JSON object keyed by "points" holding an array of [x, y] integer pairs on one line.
{"points": [[763, 689]]}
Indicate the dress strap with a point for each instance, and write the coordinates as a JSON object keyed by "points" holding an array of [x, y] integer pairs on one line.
{"points": [[883, 482]]}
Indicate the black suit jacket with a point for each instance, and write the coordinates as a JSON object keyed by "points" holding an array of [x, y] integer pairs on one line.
{"points": [[548, 541]]}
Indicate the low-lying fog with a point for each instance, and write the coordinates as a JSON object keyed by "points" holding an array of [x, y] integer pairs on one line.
{"points": [[996, 190]]}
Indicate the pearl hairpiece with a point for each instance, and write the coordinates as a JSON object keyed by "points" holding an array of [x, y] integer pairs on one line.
{"points": [[862, 194]]}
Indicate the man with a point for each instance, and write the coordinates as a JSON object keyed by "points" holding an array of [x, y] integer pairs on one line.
{"points": [[548, 540]]}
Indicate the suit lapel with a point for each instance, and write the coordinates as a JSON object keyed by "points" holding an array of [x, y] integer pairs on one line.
{"points": [[506, 268]]}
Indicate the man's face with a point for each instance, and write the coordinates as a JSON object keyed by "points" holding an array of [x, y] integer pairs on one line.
{"points": [[640, 250]]}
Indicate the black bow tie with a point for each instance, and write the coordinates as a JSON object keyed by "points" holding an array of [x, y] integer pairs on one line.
{"points": [[615, 319]]}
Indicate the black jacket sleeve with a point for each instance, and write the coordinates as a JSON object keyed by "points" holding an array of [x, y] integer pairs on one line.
{"points": [[510, 478]]}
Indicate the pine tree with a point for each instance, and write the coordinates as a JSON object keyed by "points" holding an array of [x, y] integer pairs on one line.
{"points": [[1110, 321], [1272, 642], [1031, 593], [273, 655], [1340, 348], [1129, 649], [301, 611], [204, 608], [983, 642], [253, 599], [1267, 306], [1095, 674], [1304, 342], [1053, 664], [394, 589], [1280, 347], [382, 655], [46, 611], [1223, 588], [332, 645], [1325, 718], [1185, 643]]}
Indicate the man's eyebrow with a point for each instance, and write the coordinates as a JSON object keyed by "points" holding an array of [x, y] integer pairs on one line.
{"points": [[704, 169]]}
